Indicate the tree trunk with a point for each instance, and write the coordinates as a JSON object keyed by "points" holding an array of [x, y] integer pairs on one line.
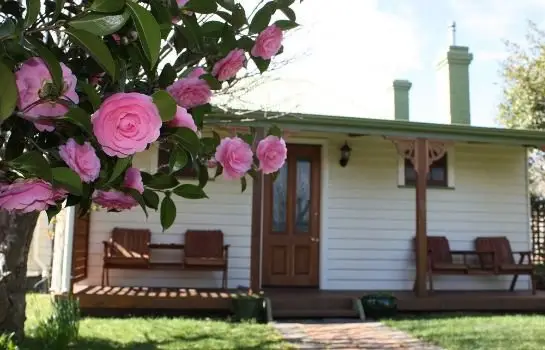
{"points": [[16, 231]]}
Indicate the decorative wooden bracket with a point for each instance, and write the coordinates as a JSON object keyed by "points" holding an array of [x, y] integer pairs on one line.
{"points": [[406, 148]]}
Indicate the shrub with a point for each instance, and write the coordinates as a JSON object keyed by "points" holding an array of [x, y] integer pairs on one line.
{"points": [[61, 328]]}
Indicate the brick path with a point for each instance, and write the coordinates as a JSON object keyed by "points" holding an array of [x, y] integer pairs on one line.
{"points": [[348, 334]]}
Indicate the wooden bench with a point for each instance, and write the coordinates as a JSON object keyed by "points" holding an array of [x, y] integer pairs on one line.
{"points": [[202, 251], [502, 261], [127, 248], [441, 260]]}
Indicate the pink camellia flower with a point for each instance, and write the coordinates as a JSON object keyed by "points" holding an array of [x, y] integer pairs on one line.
{"points": [[228, 67], [114, 200], [133, 179], [196, 72], [82, 159], [30, 195], [268, 42], [235, 156], [181, 3], [191, 91], [32, 79], [183, 119], [126, 123], [272, 153]]}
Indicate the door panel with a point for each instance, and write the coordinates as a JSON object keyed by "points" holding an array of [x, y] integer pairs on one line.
{"points": [[291, 221]]}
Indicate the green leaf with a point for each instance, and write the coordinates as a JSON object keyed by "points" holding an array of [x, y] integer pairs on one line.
{"points": [[243, 184], [100, 24], [107, 6], [52, 211], [289, 13], [167, 77], [274, 130], [202, 6], [286, 25], [190, 191], [139, 198], [166, 105], [59, 5], [67, 179], [8, 92], [227, 4], [284, 3], [262, 17], [91, 93], [178, 159], [162, 182], [203, 175], [34, 163], [168, 212], [120, 166], [7, 28], [81, 118], [95, 47], [192, 31], [261, 64], [219, 170], [148, 30], [238, 18], [187, 139], [198, 113], [52, 64], [32, 12], [214, 83], [151, 198]]}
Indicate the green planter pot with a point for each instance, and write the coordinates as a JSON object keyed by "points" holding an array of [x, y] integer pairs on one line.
{"points": [[377, 306], [248, 309]]}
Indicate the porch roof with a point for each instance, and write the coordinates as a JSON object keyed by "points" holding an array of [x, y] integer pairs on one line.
{"points": [[382, 127]]}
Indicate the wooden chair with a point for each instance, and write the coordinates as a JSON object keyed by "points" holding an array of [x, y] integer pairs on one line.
{"points": [[502, 262], [204, 250], [441, 259], [126, 249]]}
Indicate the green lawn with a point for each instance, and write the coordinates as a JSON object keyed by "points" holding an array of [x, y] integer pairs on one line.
{"points": [[480, 332], [158, 333]]}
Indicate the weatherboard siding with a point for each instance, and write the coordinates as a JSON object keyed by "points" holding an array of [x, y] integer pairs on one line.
{"points": [[371, 221], [227, 210], [367, 225]]}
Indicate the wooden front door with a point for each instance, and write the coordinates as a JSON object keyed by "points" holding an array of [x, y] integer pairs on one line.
{"points": [[291, 220]]}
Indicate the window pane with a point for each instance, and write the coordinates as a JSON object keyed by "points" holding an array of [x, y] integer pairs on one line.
{"points": [[280, 191], [302, 204], [437, 174]]}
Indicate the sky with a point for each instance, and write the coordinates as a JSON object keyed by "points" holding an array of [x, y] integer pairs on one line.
{"points": [[347, 53]]}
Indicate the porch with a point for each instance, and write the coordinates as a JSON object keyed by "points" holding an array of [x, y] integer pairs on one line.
{"points": [[293, 303]]}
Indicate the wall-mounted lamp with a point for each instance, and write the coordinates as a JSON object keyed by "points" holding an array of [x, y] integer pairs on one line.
{"points": [[345, 154]]}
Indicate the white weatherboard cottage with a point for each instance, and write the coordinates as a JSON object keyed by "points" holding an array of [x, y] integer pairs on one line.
{"points": [[334, 227]]}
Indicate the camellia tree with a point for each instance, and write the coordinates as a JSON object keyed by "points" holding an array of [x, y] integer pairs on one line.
{"points": [[85, 85]]}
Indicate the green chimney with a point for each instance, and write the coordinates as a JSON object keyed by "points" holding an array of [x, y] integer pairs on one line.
{"points": [[401, 99], [454, 73]]}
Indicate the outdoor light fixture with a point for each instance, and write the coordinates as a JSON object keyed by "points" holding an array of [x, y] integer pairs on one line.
{"points": [[345, 154]]}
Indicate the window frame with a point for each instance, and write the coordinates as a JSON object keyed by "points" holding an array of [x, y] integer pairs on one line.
{"points": [[448, 166]]}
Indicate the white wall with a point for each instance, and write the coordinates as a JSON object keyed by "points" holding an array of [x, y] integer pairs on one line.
{"points": [[368, 221], [227, 209], [371, 221], [40, 248]]}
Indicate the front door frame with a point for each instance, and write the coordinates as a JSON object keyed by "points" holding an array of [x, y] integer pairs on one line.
{"points": [[323, 231]]}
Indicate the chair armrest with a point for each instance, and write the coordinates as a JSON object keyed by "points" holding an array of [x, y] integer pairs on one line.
{"points": [[523, 252], [107, 248]]}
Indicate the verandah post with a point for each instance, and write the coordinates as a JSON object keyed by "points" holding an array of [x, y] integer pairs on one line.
{"points": [[422, 167], [257, 222]]}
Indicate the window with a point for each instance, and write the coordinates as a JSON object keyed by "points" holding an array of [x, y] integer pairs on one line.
{"points": [[162, 164], [438, 175]]}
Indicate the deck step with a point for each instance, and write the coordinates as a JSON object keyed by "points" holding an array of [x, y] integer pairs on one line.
{"points": [[313, 313]]}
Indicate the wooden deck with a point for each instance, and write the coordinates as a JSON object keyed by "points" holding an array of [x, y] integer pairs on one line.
{"points": [[301, 302]]}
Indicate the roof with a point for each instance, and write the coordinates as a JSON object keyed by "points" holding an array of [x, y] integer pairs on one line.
{"points": [[381, 127]]}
